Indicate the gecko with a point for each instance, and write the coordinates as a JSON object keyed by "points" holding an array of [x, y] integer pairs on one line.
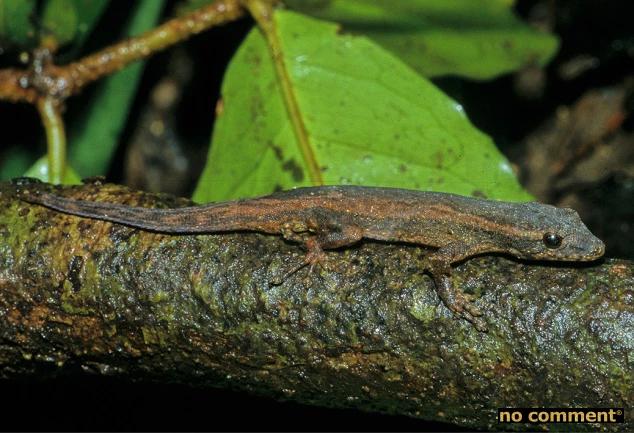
{"points": [[329, 217]]}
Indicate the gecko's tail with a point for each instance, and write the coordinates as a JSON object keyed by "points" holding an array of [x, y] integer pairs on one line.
{"points": [[179, 220]]}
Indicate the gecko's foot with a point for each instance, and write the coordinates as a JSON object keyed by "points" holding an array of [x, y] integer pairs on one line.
{"points": [[478, 322], [314, 256], [460, 303], [279, 280]]}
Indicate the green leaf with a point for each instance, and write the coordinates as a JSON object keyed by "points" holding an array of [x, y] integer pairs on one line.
{"points": [[88, 13], [15, 23], [366, 117], [476, 39], [60, 18], [40, 170], [95, 137], [16, 160], [68, 20]]}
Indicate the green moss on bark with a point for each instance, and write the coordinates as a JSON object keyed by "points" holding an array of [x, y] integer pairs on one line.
{"points": [[369, 332]]}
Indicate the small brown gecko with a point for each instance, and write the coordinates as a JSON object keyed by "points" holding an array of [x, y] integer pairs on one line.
{"points": [[328, 217]]}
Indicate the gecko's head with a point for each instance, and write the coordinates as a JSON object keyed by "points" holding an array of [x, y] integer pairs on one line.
{"points": [[555, 234]]}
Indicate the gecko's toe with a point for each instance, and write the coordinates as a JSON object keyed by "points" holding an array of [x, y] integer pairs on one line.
{"points": [[276, 281], [472, 315], [480, 324], [315, 255], [312, 259], [470, 306], [460, 303]]}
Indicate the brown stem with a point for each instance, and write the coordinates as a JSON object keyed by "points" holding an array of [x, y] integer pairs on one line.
{"points": [[60, 82]]}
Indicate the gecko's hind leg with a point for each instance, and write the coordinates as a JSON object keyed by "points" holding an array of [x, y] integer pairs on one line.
{"points": [[314, 255], [277, 281], [334, 237]]}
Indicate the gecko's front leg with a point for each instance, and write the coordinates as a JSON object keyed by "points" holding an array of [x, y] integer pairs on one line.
{"points": [[438, 264]]}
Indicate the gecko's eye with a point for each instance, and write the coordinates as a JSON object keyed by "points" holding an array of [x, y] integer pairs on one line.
{"points": [[552, 240]]}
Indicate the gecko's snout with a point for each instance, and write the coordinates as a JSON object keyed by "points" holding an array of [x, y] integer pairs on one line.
{"points": [[589, 248], [599, 249]]}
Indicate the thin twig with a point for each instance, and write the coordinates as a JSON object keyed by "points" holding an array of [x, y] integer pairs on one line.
{"points": [[60, 82]]}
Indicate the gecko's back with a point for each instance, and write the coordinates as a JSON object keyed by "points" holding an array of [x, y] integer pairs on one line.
{"points": [[389, 214]]}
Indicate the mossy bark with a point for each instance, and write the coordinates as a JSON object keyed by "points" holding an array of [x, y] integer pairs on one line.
{"points": [[367, 332]]}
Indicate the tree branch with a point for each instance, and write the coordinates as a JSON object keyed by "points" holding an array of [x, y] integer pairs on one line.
{"points": [[60, 82], [368, 333]]}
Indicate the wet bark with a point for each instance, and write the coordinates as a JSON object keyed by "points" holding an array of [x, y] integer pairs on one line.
{"points": [[368, 332]]}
